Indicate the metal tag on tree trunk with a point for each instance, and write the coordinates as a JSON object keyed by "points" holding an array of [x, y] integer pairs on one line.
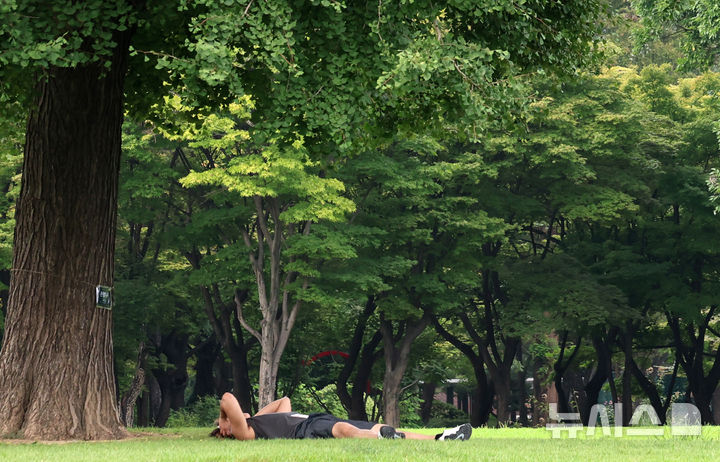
{"points": [[103, 297]]}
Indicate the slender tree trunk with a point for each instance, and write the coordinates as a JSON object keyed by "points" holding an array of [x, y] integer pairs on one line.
{"points": [[127, 403], [226, 327], [56, 372], [238, 350], [354, 403], [485, 391], [560, 368], [538, 413], [702, 400], [143, 409], [691, 357], [563, 403], [598, 379], [204, 381], [428, 395], [716, 405], [361, 381], [627, 401], [278, 306], [173, 380], [523, 399], [647, 386], [242, 388], [396, 362]]}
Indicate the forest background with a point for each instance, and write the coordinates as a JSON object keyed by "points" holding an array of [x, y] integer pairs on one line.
{"points": [[516, 232]]}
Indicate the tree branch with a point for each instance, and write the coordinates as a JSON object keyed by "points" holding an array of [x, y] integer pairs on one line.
{"points": [[241, 317]]}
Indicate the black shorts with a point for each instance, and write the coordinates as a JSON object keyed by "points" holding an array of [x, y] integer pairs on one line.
{"points": [[320, 426]]}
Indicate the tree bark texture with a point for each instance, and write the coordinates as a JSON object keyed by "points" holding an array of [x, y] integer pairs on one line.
{"points": [[56, 370], [127, 402]]}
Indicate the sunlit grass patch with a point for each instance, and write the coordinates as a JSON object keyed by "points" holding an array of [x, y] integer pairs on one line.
{"points": [[506, 444]]}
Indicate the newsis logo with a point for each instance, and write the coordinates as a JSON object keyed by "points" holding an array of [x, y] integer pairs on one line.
{"points": [[684, 421]]}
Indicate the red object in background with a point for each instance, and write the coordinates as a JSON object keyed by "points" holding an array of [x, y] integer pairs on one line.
{"points": [[326, 353]]}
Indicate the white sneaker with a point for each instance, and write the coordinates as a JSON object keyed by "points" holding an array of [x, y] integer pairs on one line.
{"points": [[461, 432]]}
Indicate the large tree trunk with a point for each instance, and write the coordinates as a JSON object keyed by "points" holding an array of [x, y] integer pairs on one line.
{"points": [[483, 397], [391, 395], [56, 370], [502, 394]]}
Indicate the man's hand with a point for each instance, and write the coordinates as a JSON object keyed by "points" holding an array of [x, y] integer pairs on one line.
{"points": [[225, 427]]}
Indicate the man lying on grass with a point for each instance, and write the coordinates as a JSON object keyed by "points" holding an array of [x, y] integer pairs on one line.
{"points": [[276, 420]]}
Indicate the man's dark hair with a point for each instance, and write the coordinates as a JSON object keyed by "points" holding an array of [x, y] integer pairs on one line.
{"points": [[216, 434]]}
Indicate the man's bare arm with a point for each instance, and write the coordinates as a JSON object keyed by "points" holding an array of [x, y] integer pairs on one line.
{"points": [[231, 412], [279, 405]]}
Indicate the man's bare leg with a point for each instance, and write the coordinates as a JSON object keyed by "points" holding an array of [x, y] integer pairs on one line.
{"points": [[408, 435], [346, 430], [279, 405]]}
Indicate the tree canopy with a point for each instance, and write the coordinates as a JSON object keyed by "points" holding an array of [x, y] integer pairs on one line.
{"points": [[526, 187]]}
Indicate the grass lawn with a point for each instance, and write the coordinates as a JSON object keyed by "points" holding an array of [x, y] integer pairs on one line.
{"points": [[486, 444]]}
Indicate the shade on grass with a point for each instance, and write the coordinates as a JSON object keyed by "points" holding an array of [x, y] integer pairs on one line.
{"points": [[487, 444]]}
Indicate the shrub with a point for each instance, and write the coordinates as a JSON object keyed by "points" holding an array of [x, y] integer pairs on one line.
{"points": [[446, 415], [201, 413], [410, 411], [307, 399]]}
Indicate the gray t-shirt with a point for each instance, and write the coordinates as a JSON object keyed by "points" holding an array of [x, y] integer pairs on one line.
{"points": [[276, 424]]}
